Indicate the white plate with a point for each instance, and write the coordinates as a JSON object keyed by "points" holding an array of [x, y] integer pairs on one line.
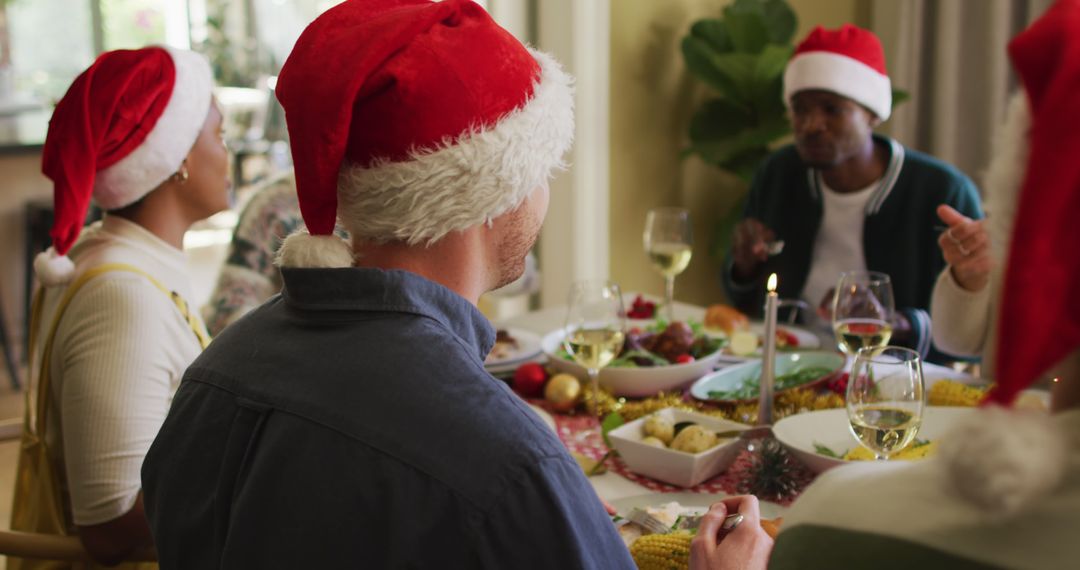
{"points": [[736, 375], [830, 428], [807, 340], [528, 348], [697, 501], [644, 381]]}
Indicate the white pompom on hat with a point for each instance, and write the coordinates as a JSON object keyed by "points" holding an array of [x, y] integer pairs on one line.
{"points": [[411, 119], [124, 126]]}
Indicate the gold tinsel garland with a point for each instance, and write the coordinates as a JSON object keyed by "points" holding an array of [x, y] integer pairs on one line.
{"points": [[786, 403]]}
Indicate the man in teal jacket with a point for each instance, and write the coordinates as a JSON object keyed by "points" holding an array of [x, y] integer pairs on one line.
{"points": [[842, 198]]}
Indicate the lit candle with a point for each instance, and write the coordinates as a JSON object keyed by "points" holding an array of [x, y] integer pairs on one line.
{"points": [[768, 356]]}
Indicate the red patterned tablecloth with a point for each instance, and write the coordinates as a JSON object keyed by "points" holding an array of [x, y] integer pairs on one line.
{"points": [[574, 433]]}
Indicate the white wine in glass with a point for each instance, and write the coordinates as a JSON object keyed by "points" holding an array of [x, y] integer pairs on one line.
{"points": [[595, 328], [669, 244], [863, 310], [885, 399]]}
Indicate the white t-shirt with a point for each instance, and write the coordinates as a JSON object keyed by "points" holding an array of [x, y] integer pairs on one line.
{"points": [[838, 246], [120, 351]]}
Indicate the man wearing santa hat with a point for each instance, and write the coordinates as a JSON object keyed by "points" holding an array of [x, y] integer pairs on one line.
{"points": [[1004, 489], [349, 420], [843, 198], [112, 333]]}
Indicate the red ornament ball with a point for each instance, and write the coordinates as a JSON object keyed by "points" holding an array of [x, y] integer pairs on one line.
{"points": [[529, 380]]}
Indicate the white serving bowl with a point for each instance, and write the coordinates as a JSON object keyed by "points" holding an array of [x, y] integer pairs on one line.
{"points": [[671, 466], [830, 428], [634, 382]]}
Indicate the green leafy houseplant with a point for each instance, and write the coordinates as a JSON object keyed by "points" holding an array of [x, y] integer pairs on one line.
{"points": [[741, 56]]}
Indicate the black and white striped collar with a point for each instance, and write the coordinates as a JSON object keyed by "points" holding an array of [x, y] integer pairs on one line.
{"points": [[884, 187]]}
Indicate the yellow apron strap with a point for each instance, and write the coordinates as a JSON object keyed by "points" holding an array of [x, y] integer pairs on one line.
{"points": [[195, 324]]}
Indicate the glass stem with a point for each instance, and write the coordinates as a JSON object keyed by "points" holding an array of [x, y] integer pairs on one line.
{"points": [[669, 297], [594, 381]]}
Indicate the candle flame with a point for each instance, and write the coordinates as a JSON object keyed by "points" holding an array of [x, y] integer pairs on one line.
{"points": [[772, 283]]}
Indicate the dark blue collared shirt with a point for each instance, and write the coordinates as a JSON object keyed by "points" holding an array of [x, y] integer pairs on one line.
{"points": [[349, 422]]}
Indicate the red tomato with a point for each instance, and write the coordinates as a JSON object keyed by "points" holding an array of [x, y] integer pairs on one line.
{"points": [[683, 359]]}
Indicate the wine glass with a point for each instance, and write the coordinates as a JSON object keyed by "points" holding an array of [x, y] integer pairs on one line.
{"points": [[595, 328], [668, 242], [885, 398], [862, 313]]}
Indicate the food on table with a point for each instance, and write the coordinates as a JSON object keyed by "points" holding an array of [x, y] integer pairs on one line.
{"points": [[725, 318], [641, 309], [953, 393], [743, 343], [694, 439], [671, 551], [752, 388], [505, 345], [921, 449], [562, 391], [529, 380], [661, 344], [662, 551], [675, 341], [688, 437], [659, 427]]}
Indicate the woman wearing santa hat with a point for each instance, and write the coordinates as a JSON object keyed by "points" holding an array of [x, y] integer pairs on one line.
{"points": [[1004, 491], [138, 133]]}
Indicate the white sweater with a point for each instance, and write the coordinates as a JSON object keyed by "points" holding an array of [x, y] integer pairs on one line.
{"points": [[965, 322], [120, 351]]}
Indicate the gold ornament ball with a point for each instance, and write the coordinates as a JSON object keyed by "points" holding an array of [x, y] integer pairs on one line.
{"points": [[562, 391]]}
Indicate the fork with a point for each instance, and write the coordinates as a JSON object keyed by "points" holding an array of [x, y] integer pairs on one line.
{"points": [[648, 522]]}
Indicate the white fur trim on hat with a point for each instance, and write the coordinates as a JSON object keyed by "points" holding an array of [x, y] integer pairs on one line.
{"points": [[464, 182], [1002, 460], [842, 75], [52, 269], [302, 249], [1006, 171], [168, 143]]}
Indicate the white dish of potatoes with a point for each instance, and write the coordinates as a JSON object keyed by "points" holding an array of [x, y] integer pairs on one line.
{"points": [[650, 446]]}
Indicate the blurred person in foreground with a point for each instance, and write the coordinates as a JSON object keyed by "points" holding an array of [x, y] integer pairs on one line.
{"points": [[139, 134], [1004, 490], [842, 198], [350, 421]]}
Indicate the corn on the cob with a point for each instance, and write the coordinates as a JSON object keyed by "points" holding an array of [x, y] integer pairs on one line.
{"points": [[662, 551], [952, 393]]}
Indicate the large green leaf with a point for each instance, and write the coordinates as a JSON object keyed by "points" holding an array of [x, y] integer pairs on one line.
{"points": [[781, 21], [768, 82], [714, 33], [721, 133], [748, 31], [739, 69], [701, 61]]}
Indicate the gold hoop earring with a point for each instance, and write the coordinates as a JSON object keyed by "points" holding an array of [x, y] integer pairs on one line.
{"points": [[181, 175]]}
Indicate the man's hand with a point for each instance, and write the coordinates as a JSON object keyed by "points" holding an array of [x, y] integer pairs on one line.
{"points": [[966, 248], [749, 248], [746, 547]]}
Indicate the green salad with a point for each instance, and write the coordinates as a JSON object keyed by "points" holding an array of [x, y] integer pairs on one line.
{"points": [[752, 387], [661, 344]]}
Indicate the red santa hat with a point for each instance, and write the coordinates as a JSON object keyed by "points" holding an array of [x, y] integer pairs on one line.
{"points": [[848, 61], [1005, 460], [123, 127], [412, 119], [1040, 315]]}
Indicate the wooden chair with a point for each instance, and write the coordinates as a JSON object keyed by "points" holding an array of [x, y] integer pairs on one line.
{"points": [[50, 546], [56, 547]]}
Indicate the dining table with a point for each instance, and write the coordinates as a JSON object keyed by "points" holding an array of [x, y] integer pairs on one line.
{"points": [[617, 483]]}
